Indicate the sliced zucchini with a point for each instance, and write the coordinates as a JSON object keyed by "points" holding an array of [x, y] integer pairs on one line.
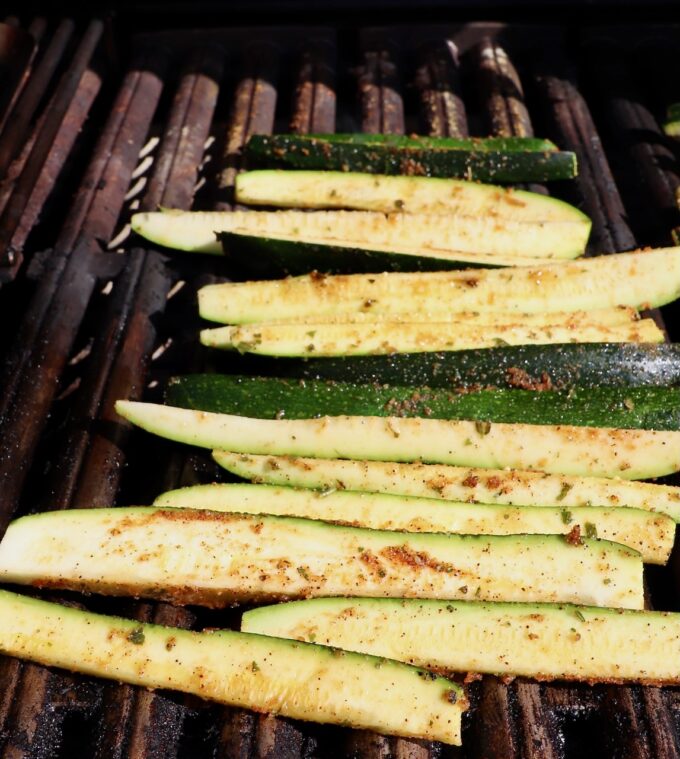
{"points": [[371, 192], [650, 534], [196, 231], [214, 559], [604, 317], [533, 367], [479, 144], [257, 257], [671, 125], [639, 279], [543, 641], [273, 398], [468, 485], [256, 672], [631, 454], [384, 338], [481, 160]]}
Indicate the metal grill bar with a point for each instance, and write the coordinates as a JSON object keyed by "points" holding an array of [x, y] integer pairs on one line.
{"points": [[58, 107], [502, 91], [314, 101], [253, 113], [382, 107], [438, 81]]}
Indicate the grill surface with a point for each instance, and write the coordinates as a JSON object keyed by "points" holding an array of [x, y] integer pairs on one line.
{"points": [[93, 133]]}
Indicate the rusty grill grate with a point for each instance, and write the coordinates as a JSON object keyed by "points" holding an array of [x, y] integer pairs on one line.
{"points": [[91, 133]]}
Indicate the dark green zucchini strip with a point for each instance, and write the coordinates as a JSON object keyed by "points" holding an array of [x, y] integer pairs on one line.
{"points": [[273, 398], [474, 163], [671, 125], [506, 144], [250, 256], [530, 367]]}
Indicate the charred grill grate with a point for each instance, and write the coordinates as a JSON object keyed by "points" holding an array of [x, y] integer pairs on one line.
{"points": [[98, 318]]}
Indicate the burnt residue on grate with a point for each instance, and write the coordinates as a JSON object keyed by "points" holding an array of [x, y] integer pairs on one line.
{"points": [[110, 319]]}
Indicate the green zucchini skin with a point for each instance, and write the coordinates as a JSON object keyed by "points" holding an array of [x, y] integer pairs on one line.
{"points": [[671, 125], [252, 257], [274, 398], [530, 366], [505, 144], [473, 163]]}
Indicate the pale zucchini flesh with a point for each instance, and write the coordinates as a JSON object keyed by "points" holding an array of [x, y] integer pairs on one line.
{"points": [[638, 279], [195, 231], [408, 194], [652, 535], [604, 317], [543, 641], [587, 451], [307, 682], [468, 485], [384, 338], [216, 559]]}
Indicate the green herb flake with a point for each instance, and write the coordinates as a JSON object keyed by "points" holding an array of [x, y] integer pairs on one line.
{"points": [[483, 428], [564, 490], [579, 616], [607, 580], [566, 516], [311, 637], [591, 530], [303, 573], [628, 403], [136, 636], [254, 667]]}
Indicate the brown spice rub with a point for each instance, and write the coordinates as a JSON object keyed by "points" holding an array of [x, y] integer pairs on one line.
{"points": [[573, 537], [520, 378], [416, 559]]}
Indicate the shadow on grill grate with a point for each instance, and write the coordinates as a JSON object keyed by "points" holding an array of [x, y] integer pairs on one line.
{"points": [[100, 319]]}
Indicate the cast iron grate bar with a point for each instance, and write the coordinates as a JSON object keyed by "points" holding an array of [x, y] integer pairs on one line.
{"points": [[41, 149], [382, 107], [18, 50], [502, 93], [439, 89], [314, 99], [32, 93], [253, 112]]}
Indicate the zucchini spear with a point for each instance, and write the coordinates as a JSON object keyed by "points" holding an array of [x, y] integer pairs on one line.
{"points": [[371, 192], [404, 233], [543, 641], [652, 408], [589, 451], [216, 559], [485, 160], [256, 672], [650, 534], [638, 279], [469, 485], [333, 340]]}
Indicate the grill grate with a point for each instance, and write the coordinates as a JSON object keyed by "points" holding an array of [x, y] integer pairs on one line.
{"points": [[100, 319]]}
